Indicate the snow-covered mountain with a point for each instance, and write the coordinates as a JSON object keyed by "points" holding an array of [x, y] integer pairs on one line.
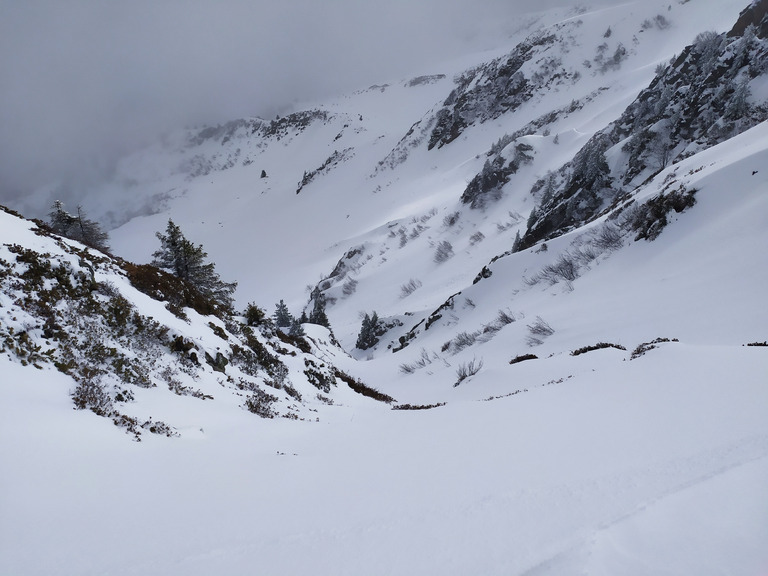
{"points": [[564, 245]]}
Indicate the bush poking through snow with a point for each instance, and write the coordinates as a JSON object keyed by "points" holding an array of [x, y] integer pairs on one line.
{"points": [[564, 268], [443, 252], [468, 369], [361, 388], [650, 218], [646, 346], [424, 360], [608, 237], [476, 237], [451, 219], [260, 403], [417, 406], [464, 340], [409, 287], [538, 331], [598, 346], [349, 287], [90, 394], [523, 358], [254, 316]]}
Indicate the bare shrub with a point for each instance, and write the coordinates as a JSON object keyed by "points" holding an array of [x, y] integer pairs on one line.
{"points": [[451, 219], [409, 287], [349, 287], [608, 237], [661, 22], [505, 317], [584, 255], [539, 330], [407, 368], [564, 268], [476, 237], [464, 340], [467, 369], [403, 236], [424, 360], [428, 215], [443, 252], [416, 232]]}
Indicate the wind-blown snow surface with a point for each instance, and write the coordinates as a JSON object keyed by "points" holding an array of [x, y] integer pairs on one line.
{"points": [[598, 463]]}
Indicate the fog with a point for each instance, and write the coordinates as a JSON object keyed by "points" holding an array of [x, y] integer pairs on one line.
{"points": [[82, 83]]}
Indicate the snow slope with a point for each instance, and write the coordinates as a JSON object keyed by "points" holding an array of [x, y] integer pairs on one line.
{"points": [[648, 454]]}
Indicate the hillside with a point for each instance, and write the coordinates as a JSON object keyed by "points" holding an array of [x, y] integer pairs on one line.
{"points": [[563, 241]]}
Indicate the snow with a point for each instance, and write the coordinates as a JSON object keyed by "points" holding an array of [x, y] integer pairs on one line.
{"points": [[598, 463], [568, 476]]}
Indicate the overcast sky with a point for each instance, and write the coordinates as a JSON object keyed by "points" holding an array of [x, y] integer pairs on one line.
{"points": [[84, 81]]}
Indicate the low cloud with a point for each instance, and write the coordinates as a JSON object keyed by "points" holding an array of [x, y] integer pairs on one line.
{"points": [[82, 83]]}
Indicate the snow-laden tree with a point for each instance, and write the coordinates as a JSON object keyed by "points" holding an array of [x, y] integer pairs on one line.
{"points": [[187, 262]]}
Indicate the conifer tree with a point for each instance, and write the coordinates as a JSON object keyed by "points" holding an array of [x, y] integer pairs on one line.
{"points": [[187, 262], [318, 316], [78, 227], [367, 337], [60, 219], [282, 316], [296, 330]]}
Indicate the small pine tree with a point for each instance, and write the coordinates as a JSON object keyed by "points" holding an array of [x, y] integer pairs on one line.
{"points": [[550, 187], [532, 218], [187, 262], [60, 219], [296, 330], [318, 315], [738, 105], [367, 337], [282, 316], [516, 243]]}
